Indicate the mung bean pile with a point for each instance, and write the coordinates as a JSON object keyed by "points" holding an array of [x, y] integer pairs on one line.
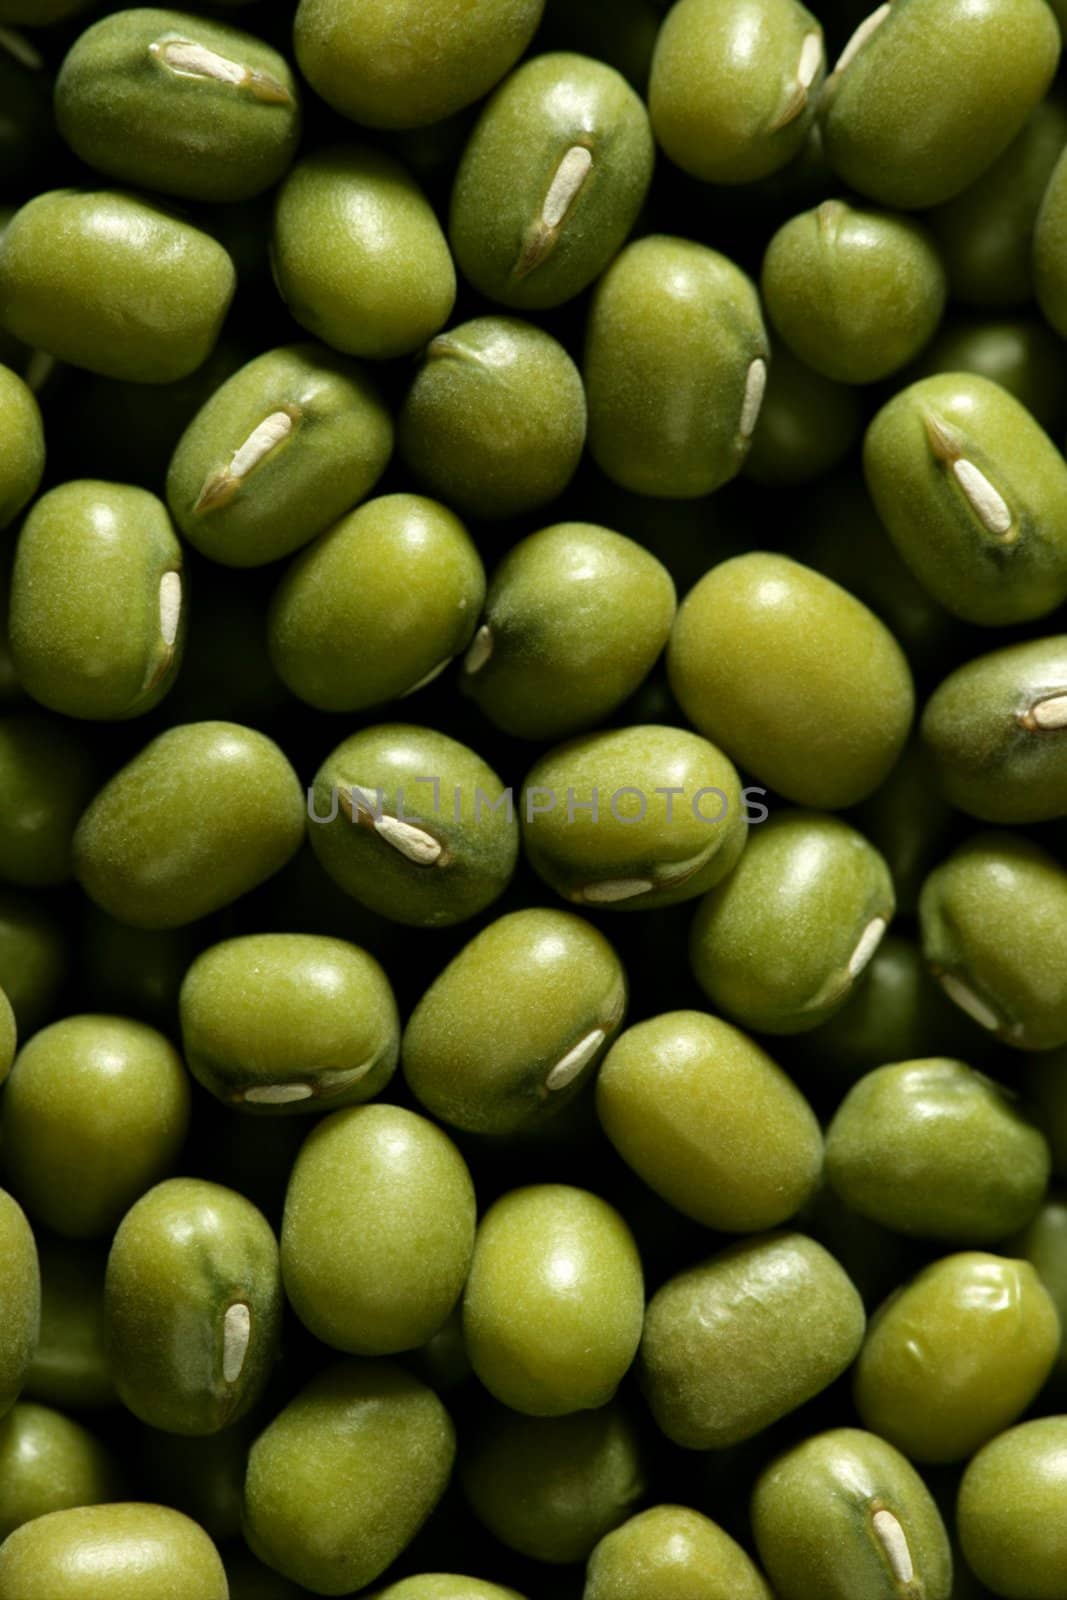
{"points": [[533, 800]]}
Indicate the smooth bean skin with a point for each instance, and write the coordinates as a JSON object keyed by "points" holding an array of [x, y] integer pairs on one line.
{"points": [[992, 919], [670, 1550], [733, 87], [996, 730], [495, 421], [552, 1487], [283, 448], [855, 293], [1016, 353], [49, 1463], [633, 819], [574, 620], [8, 1036], [430, 868], [675, 367], [453, 54], [22, 461], [204, 813], [932, 1149], [358, 255], [1007, 1513], [11, 691], [973, 494], [178, 104], [445, 1586], [283, 1023], [47, 777], [956, 1356], [924, 102], [1050, 250], [389, 1287], [343, 1479], [113, 283], [709, 1122], [193, 1299], [126, 1550], [1043, 1243], [514, 1026], [401, 578], [20, 1298], [743, 1338], [550, 182], [793, 677], [845, 1514], [985, 236], [95, 1111], [71, 1368], [780, 943], [554, 1304], [98, 604]]}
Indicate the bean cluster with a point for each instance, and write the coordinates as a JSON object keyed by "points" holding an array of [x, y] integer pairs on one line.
{"points": [[533, 800]]}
